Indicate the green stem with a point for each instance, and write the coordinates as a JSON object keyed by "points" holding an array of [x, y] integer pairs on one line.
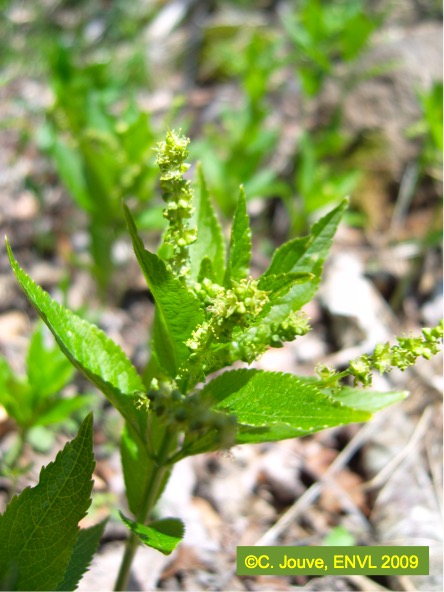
{"points": [[125, 566], [333, 380], [157, 476], [23, 434], [14, 460]]}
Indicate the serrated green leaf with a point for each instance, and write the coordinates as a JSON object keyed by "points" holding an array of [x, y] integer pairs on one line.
{"points": [[163, 535], [300, 256], [277, 285], [86, 545], [306, 255], [359, 398], [239, 252], [367, 400], [273, 406], [39, 528], [178, 312], [48, 369], [210, 241], [87, 347]]}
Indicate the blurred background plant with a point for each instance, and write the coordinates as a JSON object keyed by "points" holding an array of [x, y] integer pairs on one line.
{"points": [[325, 34], [34, 401], [98, 138], [304, 102], [430, 131], [313, 41], [263, 89], [102, 152], [101, 68], [251, 57]]}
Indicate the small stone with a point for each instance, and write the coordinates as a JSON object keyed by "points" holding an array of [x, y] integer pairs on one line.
{"points": [[12, 325]]}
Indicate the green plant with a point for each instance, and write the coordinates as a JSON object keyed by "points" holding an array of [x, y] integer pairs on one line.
{"points": [[41, 543], [316, 37], [239, 147], [84, 26], [322, 37], [34, 400], [210, 313], [430, 129], [386, 357], [324, 34], [101, 152], [321, 180]]}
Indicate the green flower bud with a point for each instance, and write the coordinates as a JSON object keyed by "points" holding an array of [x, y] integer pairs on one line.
{"points": [[382, 358], [360, 368], [177, 192], [324, 372]]}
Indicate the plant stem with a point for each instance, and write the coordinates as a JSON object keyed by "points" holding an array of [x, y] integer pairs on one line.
{"points": [[157, 475], [14, 460], [334, 379], [125, 566]]}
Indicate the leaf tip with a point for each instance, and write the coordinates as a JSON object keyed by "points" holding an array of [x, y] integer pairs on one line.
{"points": [[88, 421], [11, 257]]}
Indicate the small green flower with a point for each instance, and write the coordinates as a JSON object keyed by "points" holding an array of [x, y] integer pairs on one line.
{"points": [[178, 194], [402, 355], [199, 336], [360, 369], [382, 358], [435, 334], [325, 373], [142, 401], [295, 325], [226, 309]]}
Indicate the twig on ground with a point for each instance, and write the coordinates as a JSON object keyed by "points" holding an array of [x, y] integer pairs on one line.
{"points": [[366, 584], [406, 583], [348, 504], [418, 434], [313, 491], [404, 198]]}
